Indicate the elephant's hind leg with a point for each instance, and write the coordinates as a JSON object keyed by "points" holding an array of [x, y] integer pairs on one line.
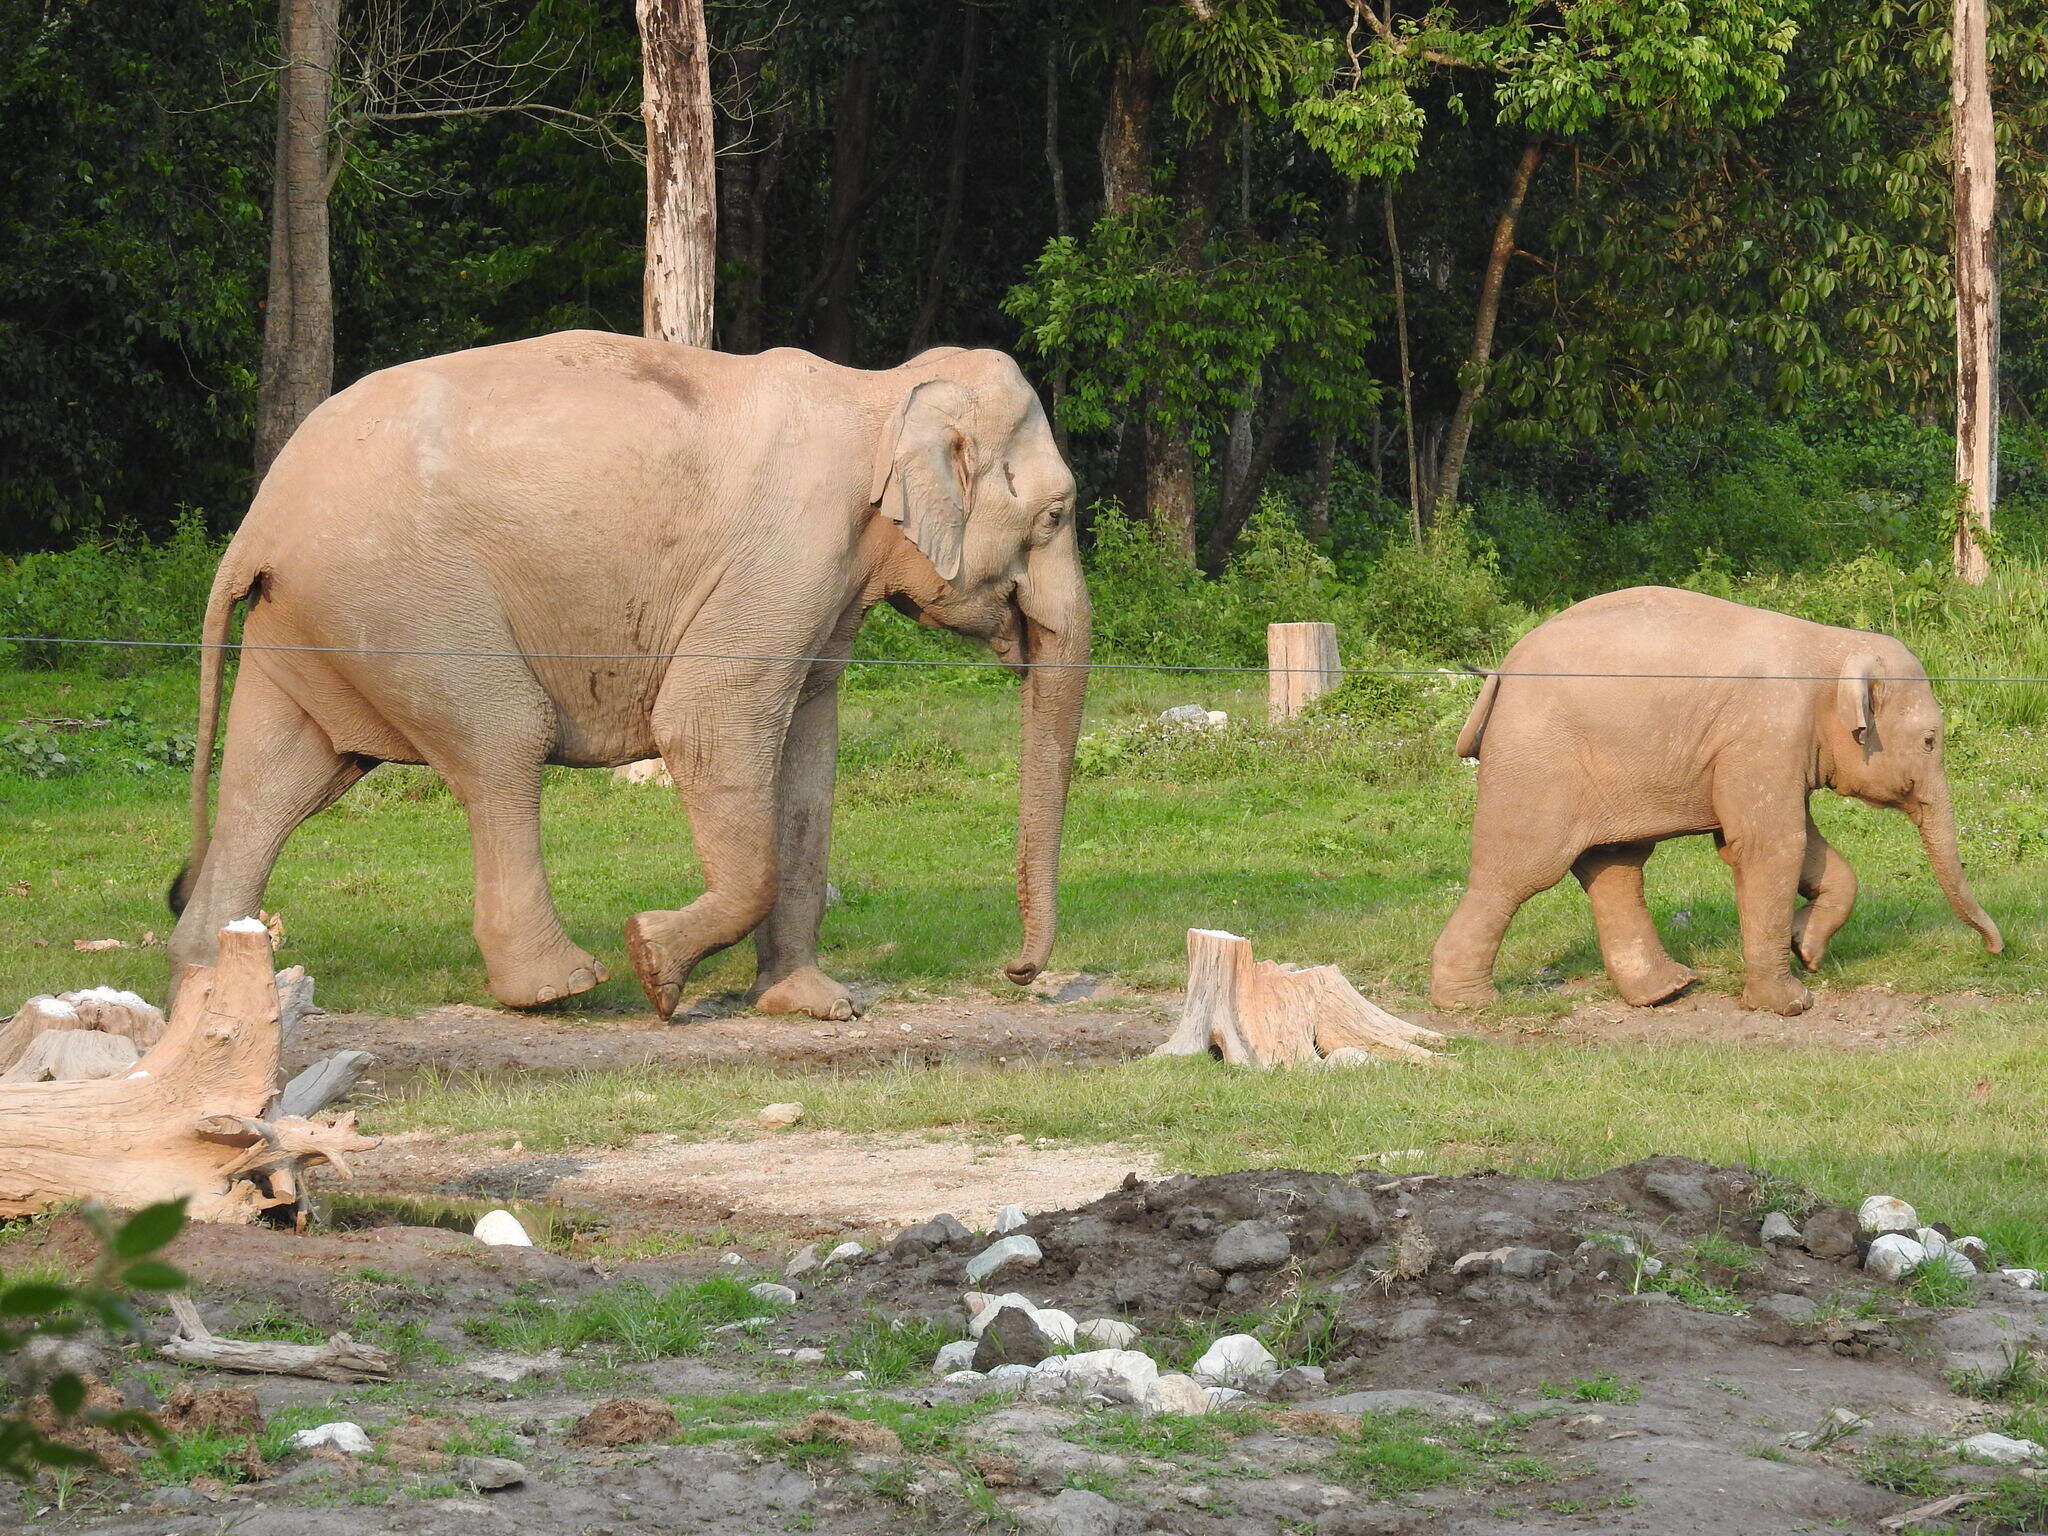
{"points": [[787, 978], [1521, 847], [1629, 943], [1829, 886], [277, 768]]}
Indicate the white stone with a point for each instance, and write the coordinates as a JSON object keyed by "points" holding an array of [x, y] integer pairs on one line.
{"points": [[501, 1229], [1122, 1374], [1350, 1056], [1886, 1213], [963, 1378], [1935, 1244], [1234, 1358], [1106, 1333], [1056, 1325], [774, 1116], [512, 1368], [1009, 1219], [1975, 1249], [342, 1436], [843, 1252], [2000, 1450], [1222, 1397], [855, 1376], [775, 1295], [1952, 1261], [1193, 717], [1778, 1228], [1176, 1393], [2025, 1279], [1014, 1252], [1892, 1255], [954, 1357], [805, 1356], [978, 1318], [1218, 719], [1012, 1371], [732, 1261]]}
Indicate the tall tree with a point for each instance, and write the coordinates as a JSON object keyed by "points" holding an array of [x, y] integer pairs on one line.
{"points": [[298, 320], [1974, 152], [682, 193]]}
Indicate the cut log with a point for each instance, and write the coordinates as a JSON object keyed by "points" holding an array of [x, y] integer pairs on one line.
{"points": [[155, 1132], [72, 1056], [341, 1358], [1266, 1014], [319, 1085], [37, 1015], [1301, 665]]}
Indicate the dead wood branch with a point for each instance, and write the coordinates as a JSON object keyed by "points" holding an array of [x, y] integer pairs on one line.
{"points": [[341, 1358]]}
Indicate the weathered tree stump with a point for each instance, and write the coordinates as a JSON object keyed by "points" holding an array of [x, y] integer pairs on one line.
{"points": [[185, 1121], [1260, 1013]]}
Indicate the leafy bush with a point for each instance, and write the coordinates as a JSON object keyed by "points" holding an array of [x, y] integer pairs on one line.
{"points": [[118, 588], [1442, 599]]}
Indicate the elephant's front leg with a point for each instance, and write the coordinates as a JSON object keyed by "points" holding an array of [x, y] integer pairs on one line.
{"points": [[1629, 943], [1765, 845], [787, 978], [1829, 886]]}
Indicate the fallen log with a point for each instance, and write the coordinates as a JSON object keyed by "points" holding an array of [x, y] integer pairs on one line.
{"points": [[340, 1358], [1260, 1013], [186, 1120]]}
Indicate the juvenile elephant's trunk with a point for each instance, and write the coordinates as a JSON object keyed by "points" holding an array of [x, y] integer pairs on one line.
{"points": [[1054, 605], [1935, 816]]}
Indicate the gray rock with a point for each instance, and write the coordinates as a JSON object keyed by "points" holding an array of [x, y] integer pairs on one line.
{"points": [[1830, 1234], [775, 1295], [1250, 1245], [177, 1498], [484, 1473], [1003, 1257], [1184, 714], [802, 1262], [1682, 1192], [529, 1179], [1075, 1512], [1529, 1263], [1012, 1337], [513, 1368], [1785, 1319], [1778, 1228], [1893, 1255], [1979, 1342], [1298, 1383], [1443, 1405], [2001, 1451]]}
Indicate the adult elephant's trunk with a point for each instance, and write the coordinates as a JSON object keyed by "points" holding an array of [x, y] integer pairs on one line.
{"points": [[1935, 816], [1053, 602]]}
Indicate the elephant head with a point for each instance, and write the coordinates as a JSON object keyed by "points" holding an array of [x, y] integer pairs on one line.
{"points": [[1883, 745], [967, 470]]}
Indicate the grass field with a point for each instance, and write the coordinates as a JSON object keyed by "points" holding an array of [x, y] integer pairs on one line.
{"points": [[1330, 841]]}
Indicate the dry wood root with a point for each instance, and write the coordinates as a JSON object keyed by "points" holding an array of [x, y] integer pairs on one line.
{"points": [[1260, 1013], [341, 1358]]}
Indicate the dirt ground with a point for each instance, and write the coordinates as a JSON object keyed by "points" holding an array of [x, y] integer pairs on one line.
{"points": [[1477, 1371]]}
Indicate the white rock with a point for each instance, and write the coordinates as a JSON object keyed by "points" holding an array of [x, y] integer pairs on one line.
{"points": [[1009, 1219], [1234, 1358], [2000, 1450], [1350, 1056], [842, 1253], [1778, 1228], [1056, 1325], [773, 1116], [953, 1357], [512, 1368], [342, 1436], [1222, 1397], [2025, 1279], [1952, 1261], [1012, 1371], [1935, 1244], [1106, 1333], [1886, 1213], [805, 1356], [963, 1378], [1975, 1249], [1125, 1375], [978, 1318], [501, 1229], [1176, 1393], [1014, 1252], [731, 1261], [775, 1295], [1218, 719], [1193, 717], [1892, 1255]]}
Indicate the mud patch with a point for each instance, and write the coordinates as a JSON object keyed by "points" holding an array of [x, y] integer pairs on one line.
{"points": [[1859, 1019]]}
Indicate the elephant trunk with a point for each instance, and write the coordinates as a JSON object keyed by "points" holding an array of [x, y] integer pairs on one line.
{"points": [[1053, 603], [1934, 814]]}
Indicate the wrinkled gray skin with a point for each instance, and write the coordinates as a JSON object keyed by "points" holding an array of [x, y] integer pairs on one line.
{"points": [[1587, 774], [608, 496]]}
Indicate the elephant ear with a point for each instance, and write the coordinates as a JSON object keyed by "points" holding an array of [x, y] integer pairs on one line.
{"points": [[924, 467], [1856, 697]]}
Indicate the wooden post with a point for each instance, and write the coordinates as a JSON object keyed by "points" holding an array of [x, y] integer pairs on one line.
{"points": [[1976, 281], [1301, 665], [682, 206]]}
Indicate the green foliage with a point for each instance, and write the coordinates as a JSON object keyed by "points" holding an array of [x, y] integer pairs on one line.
{"points": [[1600, 1387], [627, 1321], [1442, 599], [118, 587], [1937, 1283], [37, 1308], [889, 1349]]}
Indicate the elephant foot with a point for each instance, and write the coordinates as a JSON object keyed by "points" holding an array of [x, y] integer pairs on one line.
{"points": [[528, 980], [1810, 943], [1462, 994], [1776, 994], [1658, 984], [808, 990], [650, 946]]}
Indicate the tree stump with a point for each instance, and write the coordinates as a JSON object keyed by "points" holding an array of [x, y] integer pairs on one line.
{"points": [[186, 1120], [1260, 1013], [1301, 665]]}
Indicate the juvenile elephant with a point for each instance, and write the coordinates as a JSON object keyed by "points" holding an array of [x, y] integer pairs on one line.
{"points": [[586, 549], [1735, 717]]}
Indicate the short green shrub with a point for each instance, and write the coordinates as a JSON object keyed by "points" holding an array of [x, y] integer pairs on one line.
{"points": [[116, 587]]}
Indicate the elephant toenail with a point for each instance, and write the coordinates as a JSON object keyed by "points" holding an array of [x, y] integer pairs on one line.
{"points": [[547, 994]]}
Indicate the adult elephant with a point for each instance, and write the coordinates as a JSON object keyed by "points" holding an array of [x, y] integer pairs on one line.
{"points": [[587, 549], [1653, 713]]}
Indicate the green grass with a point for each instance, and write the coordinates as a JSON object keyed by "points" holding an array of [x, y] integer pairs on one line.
{"points": [[888, 1350], [1936, 1283], [1597, 1388], [626, 1322], [1397, 1453]]}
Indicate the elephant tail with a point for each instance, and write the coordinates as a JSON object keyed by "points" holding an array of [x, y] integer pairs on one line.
{"points": [[230, 585], [1475, 723]]}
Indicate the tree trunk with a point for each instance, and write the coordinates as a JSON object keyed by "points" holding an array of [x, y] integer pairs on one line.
{"points": [[1976, 277], [682, 208], [1243, 497], [1474, 383], [1407, 373], [1170, 490], [297, 370], [853, 120], [1126, 144], [1062, 219], [956, 179], [746, 182]]}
